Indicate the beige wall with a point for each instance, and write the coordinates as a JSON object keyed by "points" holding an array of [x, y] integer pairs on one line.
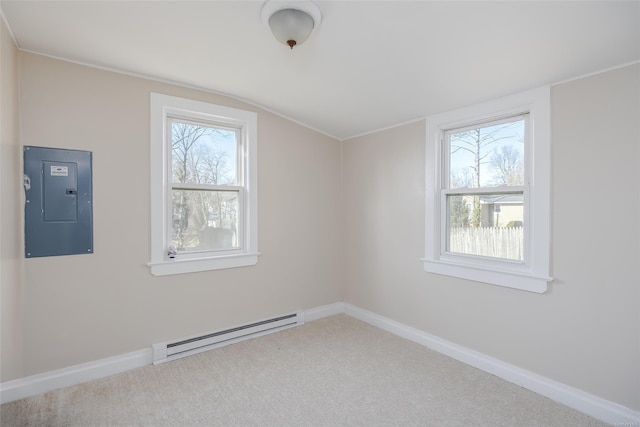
{"points": [[86, 307], [321, 241], [10, 212], [585, 332]]}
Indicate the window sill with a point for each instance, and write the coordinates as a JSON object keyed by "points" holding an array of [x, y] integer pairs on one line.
{"points": [[193, 265], [511, 279]]}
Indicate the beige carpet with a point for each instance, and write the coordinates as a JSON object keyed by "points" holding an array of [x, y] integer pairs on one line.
{"points": [[336, 371]]}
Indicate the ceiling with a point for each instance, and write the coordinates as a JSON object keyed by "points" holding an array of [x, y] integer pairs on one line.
{"points": [[368, 66]]}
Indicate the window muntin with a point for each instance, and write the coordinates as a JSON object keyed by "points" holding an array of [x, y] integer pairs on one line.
{"points": [[483, 171]]}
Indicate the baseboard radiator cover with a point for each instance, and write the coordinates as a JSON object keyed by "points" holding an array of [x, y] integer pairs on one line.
{"points": [[167, 351]]}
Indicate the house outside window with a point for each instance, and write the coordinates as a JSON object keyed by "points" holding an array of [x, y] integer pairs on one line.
{"points": [[488, 183], [203, 186]]}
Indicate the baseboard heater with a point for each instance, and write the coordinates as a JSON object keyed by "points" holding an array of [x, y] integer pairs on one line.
{"points": [[164, 352]]}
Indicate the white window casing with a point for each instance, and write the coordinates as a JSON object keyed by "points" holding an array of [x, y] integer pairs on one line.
{"points": [[533, 272], [164, 108]]}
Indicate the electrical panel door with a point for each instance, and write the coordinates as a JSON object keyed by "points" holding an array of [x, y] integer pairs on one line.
{"points": [[58, 202]]}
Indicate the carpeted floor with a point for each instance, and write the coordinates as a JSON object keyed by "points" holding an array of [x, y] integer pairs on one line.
{"points": [[336, 371]]}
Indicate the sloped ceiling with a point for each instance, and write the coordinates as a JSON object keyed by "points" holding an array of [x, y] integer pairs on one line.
{"points": [[368, 66]]}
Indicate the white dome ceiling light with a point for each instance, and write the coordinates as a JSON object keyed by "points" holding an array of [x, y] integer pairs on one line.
{"points": [[291, 22]]}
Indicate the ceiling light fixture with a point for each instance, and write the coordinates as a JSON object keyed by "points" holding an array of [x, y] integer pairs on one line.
{"points": [[291, 22]]}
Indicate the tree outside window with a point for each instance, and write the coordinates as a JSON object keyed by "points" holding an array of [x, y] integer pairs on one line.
{"points": [[205, 197]]}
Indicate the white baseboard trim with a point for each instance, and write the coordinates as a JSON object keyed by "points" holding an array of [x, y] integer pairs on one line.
{"points": [[323, 311], [591, 405], [579, 400], [77, 374]]}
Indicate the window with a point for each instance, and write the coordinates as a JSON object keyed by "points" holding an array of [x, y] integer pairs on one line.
{"points": [[488, 191], [483, 170], [203, 186]]}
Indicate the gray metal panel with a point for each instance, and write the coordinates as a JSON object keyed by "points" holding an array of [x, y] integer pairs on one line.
{"points": [[60, 191], [59, 202]]}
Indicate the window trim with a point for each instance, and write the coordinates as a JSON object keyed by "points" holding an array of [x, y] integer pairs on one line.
{"points": [[163, 107], [534, 273]]}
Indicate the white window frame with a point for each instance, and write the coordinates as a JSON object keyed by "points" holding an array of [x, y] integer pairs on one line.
{"points": [[533, 273], [163, 107]]}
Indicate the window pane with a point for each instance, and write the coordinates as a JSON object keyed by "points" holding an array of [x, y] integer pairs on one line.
{"points": [[486, 224], [487, 156], [205, 220], [203, 154]]}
